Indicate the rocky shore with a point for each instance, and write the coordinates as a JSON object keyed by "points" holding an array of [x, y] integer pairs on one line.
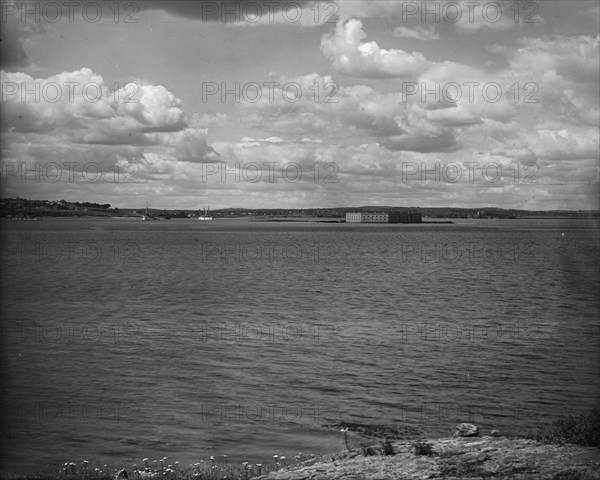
{"points": [[570, 450], [464, 458]]}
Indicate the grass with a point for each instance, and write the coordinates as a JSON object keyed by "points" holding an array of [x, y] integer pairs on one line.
{"points": [[368, 451], [582, 429], [422, 448], [386, 447], [164, 470], [574, 474]]}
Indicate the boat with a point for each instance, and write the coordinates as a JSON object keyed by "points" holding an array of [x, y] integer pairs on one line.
{"points": [[205, 216], [147, 216]]}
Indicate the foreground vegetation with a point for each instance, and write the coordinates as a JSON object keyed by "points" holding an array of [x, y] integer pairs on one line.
{"points": [[582, 429], [163, 469], [549, 454]]}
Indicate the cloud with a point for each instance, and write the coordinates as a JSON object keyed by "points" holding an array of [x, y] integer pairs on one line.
{"points": [[560, 74], [349, 54], [210, 120], [566, 143], [155, 108], [264, 140], [355, 117], [433, 140], [499, 16], [575, 58], [15, 35], [362, 112], [225, 11], [420, 33], [189, 145], [359, 112], [80, 103], [12, 53], [75, 117], [460, 16]]}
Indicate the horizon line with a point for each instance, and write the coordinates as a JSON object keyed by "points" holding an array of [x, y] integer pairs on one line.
{"points": [[315, 208]]}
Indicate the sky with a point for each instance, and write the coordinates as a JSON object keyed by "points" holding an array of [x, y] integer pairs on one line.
{"points": [[302, 104]]}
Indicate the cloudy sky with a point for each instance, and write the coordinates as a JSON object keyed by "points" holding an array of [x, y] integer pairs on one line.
{"points": [[302, 104]]}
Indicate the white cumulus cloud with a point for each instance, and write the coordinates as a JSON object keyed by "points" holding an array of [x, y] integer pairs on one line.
{"points": [[346, 49]]}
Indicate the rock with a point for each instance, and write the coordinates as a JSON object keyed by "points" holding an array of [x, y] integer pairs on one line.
{"points": [[121, 474], [466, 430]]}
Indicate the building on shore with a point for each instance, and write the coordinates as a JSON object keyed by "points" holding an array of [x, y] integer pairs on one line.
{"points": [[361, 217], [381, 217], [405, 217]]}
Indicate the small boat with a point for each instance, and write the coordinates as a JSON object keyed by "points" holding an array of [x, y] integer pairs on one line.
{"points": [[205, 216], [147, 216]]}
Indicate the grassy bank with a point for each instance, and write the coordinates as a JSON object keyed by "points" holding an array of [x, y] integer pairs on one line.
{"points": [[568, 450], [582, 429]]}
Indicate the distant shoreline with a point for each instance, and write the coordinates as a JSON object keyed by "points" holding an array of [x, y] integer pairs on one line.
{"points": [[311, 220], [430, 220]]}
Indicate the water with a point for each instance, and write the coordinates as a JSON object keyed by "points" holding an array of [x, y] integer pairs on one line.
{"points": [[124, 339]]}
